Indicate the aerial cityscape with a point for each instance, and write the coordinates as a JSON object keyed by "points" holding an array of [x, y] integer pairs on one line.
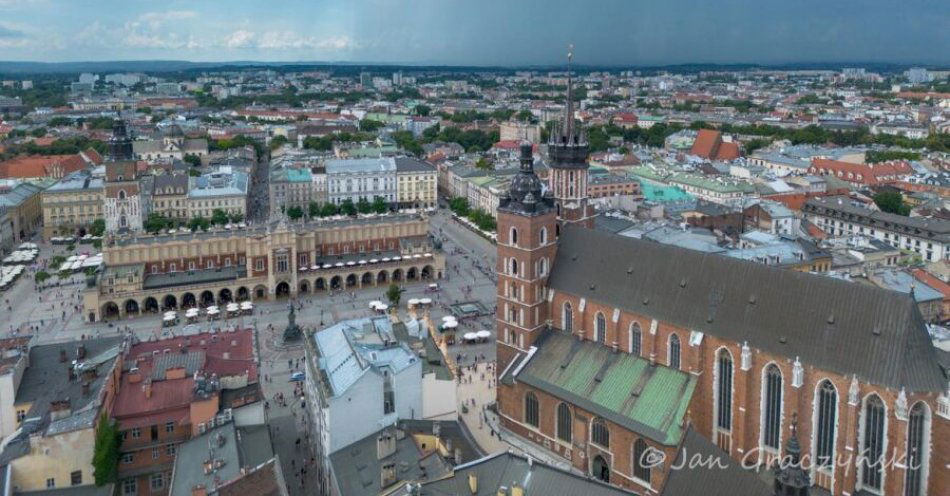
{"points": [[437, 248]]}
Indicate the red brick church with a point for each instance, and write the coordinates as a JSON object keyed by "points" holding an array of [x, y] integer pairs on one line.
{"points": [[612, 350]]}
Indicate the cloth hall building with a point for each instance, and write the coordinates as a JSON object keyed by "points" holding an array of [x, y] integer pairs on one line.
{"points": [[611, 349]]}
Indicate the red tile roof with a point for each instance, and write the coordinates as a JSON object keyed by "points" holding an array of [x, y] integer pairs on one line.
{"points": [[861, 173], [225, 354], [929, 279], [54, 166], [709, 144]]}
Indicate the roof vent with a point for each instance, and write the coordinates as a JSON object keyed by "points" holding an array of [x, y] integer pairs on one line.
{"points": [[831, 319], [646, 301], [593, 287], [629, 270], [683, 282], [709, 319], [752, 299], [574, 257], [782, 339], [876, 331]]}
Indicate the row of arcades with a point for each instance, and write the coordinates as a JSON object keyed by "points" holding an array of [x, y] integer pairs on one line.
{"points": [[153, 304]]}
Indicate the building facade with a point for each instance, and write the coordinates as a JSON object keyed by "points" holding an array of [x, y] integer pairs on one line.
{"points": [[123, 204], [24, 210], [840, 216], [147, 273], [361, 179], [416, 183], [72, 204]]}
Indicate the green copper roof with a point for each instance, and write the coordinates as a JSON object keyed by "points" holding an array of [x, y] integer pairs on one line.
{"points": [[620, 387]]}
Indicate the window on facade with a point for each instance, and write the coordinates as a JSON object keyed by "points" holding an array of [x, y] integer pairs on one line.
{"points": [[543, 236], [259, 264], [75, 478], [917, 426], [389, 396], [170, 450], [567, 318], [641, 466], [599, 434], [636, 335], [514, 236], [50, 482], [514, 267], [564, 422], [20, 415], [169, 427], [157, 481], [827, 411], [136, 433], [674, 352], [872, 443], [600, 331], [772, 411], [127, 458], [724, 391], [282, 264], [531, 409]]}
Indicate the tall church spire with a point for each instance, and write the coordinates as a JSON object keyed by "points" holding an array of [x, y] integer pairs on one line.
{"points": [[569, 108]]}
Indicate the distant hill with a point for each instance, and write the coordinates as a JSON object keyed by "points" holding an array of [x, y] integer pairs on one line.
{"points": [[165, 66]]}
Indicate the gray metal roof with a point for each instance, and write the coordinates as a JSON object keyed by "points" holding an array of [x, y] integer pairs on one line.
{"points": [[505, 469], [727, 478], [876, 334]]}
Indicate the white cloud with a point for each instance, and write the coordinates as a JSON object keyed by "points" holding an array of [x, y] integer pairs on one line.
{"points": [[240, 39], [149, 30], [157, 19], [285, 40]]}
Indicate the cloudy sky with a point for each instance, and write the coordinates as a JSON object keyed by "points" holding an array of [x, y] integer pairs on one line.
{"points": [[480, 32]]}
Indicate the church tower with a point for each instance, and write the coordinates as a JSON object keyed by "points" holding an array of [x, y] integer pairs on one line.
{"points": [[123, 200], [526, 249], [568, 151]]}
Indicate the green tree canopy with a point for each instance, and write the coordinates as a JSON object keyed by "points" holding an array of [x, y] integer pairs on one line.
{"points": [[98, 227], [379, 205], [891, 202], [347, 207], [394, 294], [219, 217], [329, 210], [363, 206], [295, 213]]}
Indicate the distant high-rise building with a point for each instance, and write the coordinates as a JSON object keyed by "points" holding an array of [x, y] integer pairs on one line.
{"points": [[366, 79], [88, 78], [397, 78], [918, 75]]}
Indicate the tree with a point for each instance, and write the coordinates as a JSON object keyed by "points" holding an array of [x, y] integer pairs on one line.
{"points": [[59, 122], [363, 206], [295, 213], [394, 294], [192, 160], [369, 125], [219, 217], [406, 141], [313, 209], [525, 116], [38, 132], [145, 110], [347, 207], [197, 223], [891, 202], [194, 172], [483, 164], [277, 142], [156, 222], [423, 110], [459, 205], [105, 458], [329, 210], [235, 218], [41, 276], [379, 205], [98, 227]]}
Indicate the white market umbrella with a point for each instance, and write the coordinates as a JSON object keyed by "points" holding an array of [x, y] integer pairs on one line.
{"points": [[470, 336], [483, 334], [425, 301]]}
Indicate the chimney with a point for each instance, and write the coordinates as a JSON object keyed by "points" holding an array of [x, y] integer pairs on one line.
{"points": [[81, 352], [385, 445], [62, 356], [148, 389], [135, 376], [614, 346], [199, 490], [458, 455], [473, 482], [72, 373], [387, 475], [85, 388], [59, 409]]}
